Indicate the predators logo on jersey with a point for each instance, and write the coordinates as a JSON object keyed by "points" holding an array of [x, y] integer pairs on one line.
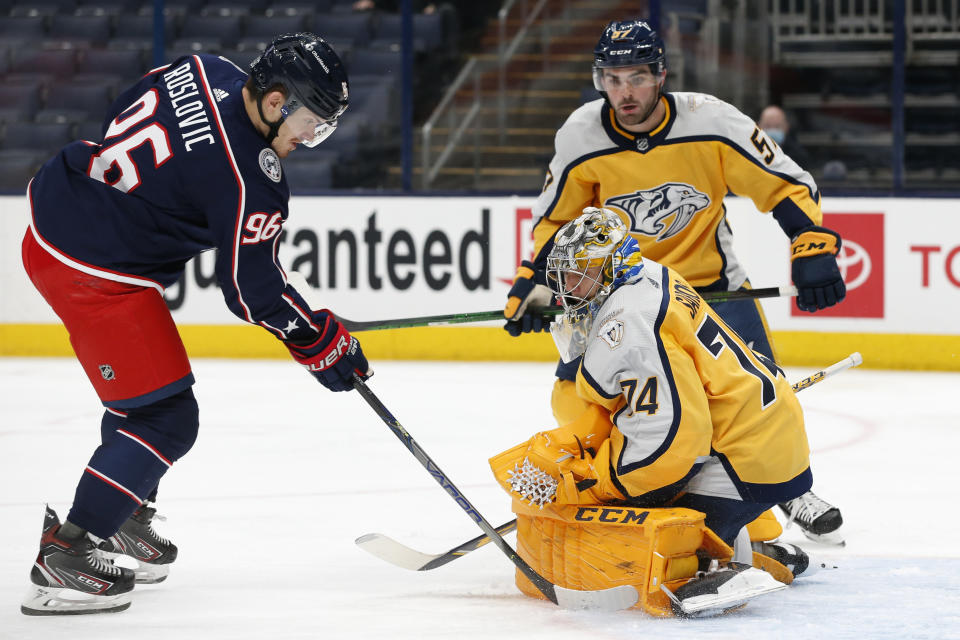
{"points": [[672, 194], [650, 209]]}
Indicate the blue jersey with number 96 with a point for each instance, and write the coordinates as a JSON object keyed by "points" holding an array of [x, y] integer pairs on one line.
{"points": [[181, 169]]}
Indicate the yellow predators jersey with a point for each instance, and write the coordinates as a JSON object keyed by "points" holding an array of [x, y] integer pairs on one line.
{"points": [[686, 395], [669, 185]]}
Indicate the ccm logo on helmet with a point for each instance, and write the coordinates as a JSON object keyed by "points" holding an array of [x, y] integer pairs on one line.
{"points": [[342, 345]]}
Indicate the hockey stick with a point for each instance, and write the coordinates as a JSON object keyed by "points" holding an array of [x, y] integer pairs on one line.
{"points": [[389, 550], [482, 316], [852, 360], [614, 599]]}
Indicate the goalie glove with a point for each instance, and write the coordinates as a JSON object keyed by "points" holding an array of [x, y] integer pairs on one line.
{"points": [[813, 253], [527, 295], [555, 467], [334, 357]]}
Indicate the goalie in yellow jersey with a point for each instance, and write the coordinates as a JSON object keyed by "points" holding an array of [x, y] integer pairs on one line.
{"points": [[664, 161], [680, 413]]}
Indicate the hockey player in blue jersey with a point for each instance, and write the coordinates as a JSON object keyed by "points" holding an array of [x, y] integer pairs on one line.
{"points": [[189, 161]]}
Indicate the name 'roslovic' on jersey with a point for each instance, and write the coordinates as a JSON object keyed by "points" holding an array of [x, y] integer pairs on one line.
{"points": [[181, 169]]}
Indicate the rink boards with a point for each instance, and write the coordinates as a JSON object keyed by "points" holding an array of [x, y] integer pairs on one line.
{"points": [[372, 258]]}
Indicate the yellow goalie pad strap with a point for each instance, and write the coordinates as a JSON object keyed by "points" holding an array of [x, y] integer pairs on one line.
{"points": [[765, 528], [814, 243], [602, 546], [776, 569]]}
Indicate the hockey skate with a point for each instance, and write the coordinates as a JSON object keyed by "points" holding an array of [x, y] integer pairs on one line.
{"points": [[819, 520], [721, 590], [138, 541], [71, 577]]}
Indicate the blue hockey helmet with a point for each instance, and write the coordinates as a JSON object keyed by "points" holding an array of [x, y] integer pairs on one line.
{"points": [[310, 71], [625, 44]]}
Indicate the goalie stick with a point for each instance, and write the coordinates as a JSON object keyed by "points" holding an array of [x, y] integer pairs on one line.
{"points": [[614, 599], [396, 553], [482, 316]]}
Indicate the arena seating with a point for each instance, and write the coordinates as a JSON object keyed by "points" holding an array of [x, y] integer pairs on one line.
{"points": [[63, 62]]}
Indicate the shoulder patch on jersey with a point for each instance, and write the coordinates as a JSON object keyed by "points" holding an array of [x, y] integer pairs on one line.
{"points": [[697, 100], [220, 94], [270, 164], [611, 332]]}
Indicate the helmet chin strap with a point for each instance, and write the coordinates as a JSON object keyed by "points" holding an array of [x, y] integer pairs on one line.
{"points": [[274, 126]]}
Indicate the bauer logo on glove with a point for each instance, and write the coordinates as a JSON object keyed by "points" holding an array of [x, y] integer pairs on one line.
{"points": [[344, 342], [334, 357]]}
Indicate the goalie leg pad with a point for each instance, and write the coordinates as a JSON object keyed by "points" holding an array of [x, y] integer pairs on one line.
{"points": [[602, 546], [765, 528]]}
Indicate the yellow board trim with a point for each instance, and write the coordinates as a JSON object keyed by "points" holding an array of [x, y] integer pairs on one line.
{"points": [[794, 348]]}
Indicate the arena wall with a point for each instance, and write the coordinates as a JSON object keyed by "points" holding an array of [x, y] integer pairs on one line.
{"points": [[371, 258]]}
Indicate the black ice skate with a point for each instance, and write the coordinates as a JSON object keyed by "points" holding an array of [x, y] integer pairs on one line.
{"points": [[818, 519], [71, 577], [721, 590], [137, 539]]}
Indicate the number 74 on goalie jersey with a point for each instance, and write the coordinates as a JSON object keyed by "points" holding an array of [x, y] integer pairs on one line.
{"points": [[681, 389]]}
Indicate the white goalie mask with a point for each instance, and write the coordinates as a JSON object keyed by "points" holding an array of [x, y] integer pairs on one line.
{"points": [[580, 272]]}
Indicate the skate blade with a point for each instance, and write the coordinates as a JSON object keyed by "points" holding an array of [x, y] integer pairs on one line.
{"points": [[834, 538], [60, 601], [144, 573]]}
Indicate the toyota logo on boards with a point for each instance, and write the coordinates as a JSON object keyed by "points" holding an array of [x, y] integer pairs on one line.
{"points": [[861, 265], [855, 265]]}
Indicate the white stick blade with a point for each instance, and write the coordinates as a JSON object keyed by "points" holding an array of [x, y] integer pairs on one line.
{"points": [[389, 550], [613, 599]]}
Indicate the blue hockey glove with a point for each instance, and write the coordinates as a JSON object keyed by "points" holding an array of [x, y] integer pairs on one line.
{"points": [[526, 296], [815, 273], [334, 357]]}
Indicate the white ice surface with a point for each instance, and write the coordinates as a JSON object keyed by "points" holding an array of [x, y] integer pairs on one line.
{"points": [[285, 475]]}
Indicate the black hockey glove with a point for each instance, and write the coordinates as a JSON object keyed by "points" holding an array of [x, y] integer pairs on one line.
{"points": [[334, 357], [815, 273], [528, 294]]}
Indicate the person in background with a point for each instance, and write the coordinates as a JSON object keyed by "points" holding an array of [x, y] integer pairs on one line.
{"points": [[773, 120]]}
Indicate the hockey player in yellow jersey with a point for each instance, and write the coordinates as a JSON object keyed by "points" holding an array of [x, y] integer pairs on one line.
{"points": [[664, 162], [680, 411]]}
